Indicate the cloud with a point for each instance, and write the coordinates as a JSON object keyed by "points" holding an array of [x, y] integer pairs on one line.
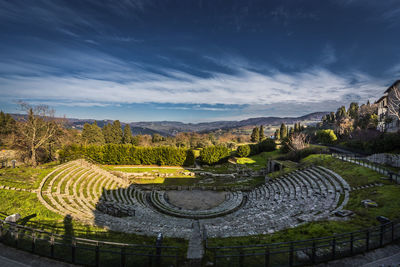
{"points": [[328, 55]]}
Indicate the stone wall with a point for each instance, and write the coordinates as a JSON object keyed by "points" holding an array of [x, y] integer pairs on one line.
{"points": [[385, 158]]}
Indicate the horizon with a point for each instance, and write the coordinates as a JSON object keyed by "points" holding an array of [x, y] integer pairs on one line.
{"points": [[197, 61]]}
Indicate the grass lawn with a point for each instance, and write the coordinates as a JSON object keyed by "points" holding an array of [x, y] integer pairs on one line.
{"points": [[25, 176], [354, 174], [259, 161]]}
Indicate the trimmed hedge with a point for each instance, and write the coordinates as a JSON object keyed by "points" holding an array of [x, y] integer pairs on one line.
{"points": [[116, 154], [243, 151], [265, 146], [214, 154]]}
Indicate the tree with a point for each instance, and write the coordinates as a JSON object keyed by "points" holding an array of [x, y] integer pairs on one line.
{"points": [[255, 135], [262, 136], [155, 138], [353, 111], [291, 132], [243, 151], [326, 136], [295, 143], [38, 131], [107, 133], [7, 123], [92, 134], [277, 134], [394, 102], [117, 132], [283, 131], [341, 113], [127, 137]]}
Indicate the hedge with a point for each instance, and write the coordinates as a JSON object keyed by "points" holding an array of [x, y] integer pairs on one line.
{"points": [[214, 154], [116, 154], [243, 151], [265, 146]]}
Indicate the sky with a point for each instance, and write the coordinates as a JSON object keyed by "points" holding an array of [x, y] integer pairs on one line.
{"points": [[196, 61]]}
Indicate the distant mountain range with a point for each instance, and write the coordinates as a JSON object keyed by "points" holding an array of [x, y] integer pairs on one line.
{"points": [[168, 128]]}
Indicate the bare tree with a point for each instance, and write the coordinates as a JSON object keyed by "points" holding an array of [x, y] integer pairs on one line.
{"points": [[297, 142], [394, 102], [38, 130]]}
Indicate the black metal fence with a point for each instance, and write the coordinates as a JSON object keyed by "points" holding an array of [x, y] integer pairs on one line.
{"points": [[365, 163], [305, 252], [88, 252]]}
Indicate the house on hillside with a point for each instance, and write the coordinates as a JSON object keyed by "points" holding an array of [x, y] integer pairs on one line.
{"points": [[388, 122]]}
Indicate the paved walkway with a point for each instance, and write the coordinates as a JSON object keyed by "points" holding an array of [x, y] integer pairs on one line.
{"points": [[11, 257]]}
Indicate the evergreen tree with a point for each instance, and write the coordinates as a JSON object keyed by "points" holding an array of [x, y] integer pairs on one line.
{"points": [[341, 113], [283, 131], [291, 132], [117, 132], [7, 123], [353, 110], [92, 134], [108, 134], [332, 117], [262, 136], [127, 137], [277, 134], [255, 135]]}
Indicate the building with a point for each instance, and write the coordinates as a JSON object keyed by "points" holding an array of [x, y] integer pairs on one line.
{"points": [[388, 122]]}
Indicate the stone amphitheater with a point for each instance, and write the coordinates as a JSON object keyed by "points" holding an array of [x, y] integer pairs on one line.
{"points": [[94, 196]]}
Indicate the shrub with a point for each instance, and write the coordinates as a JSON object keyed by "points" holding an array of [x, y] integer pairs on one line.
{"points": [[190, 158], [326, 136], [243, 151], [117, 154], [214, 154]]}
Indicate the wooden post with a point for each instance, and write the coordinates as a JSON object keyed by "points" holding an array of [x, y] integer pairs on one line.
{"points": [[33, 241], [123, 258], [333, 248], [97, 255], [351, 244], [73, 250], [381, 235], [52, 246], [241, 259], [291, 254], [266, 260], [392, 224], [314, 251], [367, 240]]}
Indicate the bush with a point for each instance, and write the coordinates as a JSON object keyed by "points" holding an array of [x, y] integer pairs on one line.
{"points": [[190, 158], [214, 154], [116, 154], [326, 136], [243, 151], [265, 146]]}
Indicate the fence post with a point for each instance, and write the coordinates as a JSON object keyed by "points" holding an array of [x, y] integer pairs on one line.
{"points": [[73, 250], [16, 237], [241, 258], [381, 235], [97, 255], [33, 241], [158, 249], [334, 248], [123, 261], [291, 255], [392, 231], [266, 263], [52, 246], [314, 251], [351, 244], [367, 240]]}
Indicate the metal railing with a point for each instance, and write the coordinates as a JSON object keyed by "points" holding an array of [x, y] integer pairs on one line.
{"points": [[305, 252], [88, 252]]}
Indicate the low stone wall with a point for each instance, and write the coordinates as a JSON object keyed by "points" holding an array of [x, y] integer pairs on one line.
{"points": [[385, 158]]}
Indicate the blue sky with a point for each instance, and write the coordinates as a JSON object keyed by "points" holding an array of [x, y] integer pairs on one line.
{"points": [[193, 61]]}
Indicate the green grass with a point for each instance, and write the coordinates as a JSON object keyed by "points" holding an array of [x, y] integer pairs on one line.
{"points": [[24, 176], [354, 174], [259, 161]]}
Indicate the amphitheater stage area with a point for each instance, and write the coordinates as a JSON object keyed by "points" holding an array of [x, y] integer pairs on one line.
{"points": [[195, 199]]}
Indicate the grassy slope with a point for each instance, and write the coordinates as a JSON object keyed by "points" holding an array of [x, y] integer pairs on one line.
{"points": [[386, 197]]}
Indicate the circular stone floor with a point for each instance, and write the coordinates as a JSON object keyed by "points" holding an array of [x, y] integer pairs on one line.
{"points": [[196, 199]]}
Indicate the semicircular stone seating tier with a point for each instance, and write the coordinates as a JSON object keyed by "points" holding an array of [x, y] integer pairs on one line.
{"points": [[76, 188]]}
